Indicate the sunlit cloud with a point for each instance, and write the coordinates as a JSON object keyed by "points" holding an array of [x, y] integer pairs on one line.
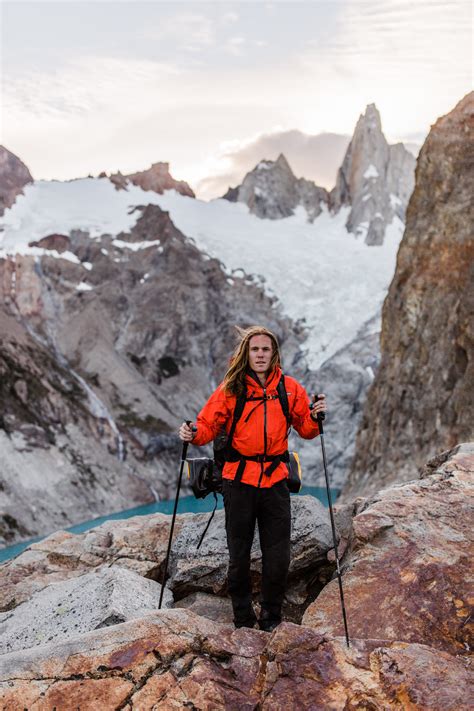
{"points": [[415, 58], [316, 158], [206, 78]]}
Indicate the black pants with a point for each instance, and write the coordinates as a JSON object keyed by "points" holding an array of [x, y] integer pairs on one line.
{"points": [[244, 505]]}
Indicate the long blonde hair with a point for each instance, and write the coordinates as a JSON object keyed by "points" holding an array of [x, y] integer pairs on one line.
{"points": [[234, 379]]}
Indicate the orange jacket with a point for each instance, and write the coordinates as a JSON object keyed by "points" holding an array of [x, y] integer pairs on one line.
{"points": [[267, 422]]}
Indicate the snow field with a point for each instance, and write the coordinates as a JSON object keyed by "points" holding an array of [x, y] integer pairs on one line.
{"points": [[319, 272]]}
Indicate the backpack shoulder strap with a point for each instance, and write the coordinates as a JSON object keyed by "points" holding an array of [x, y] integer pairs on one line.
{"points": [[283, 397], [238, 410]]}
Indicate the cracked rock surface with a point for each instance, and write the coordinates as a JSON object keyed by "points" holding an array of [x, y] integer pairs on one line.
{"points": [[406, 576], [408, 569], [176, 660]]}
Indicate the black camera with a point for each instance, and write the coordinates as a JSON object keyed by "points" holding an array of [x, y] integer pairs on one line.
{"points": [[205, 477]]}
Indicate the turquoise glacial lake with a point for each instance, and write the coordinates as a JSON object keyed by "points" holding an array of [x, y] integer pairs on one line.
{"points": [[187, 504]]}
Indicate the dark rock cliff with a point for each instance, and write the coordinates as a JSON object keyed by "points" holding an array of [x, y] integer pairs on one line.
{"points": [[421, 401], [14, 175]]}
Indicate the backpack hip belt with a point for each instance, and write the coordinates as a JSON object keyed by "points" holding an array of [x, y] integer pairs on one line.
{"points": [[232, 455]]}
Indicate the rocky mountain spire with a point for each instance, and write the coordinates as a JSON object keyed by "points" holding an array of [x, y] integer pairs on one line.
{"points": [[156, 178], [272, 191], [375, 179], [14, 175], [421, 399], [159, 179]]}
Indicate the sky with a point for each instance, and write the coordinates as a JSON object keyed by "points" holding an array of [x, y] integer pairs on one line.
{"points": [[210, 86]]}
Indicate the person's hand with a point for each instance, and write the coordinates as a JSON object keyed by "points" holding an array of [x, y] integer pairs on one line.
{"points": [[319, 405], [186, 434]]}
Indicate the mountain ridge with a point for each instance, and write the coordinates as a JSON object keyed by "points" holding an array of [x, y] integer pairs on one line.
{"points": [[375, 180]]}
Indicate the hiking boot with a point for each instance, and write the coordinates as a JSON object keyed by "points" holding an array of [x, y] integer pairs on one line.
{"points": [[267, 622], [244, 614], [268, 625], [250, 622]]}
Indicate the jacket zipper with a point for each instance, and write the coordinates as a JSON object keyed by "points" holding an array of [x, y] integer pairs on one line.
{"points": [[264, 434]]}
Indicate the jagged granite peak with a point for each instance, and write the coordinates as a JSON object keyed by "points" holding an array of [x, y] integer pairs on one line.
{"points": [[157, 178], [14, 175], [375, 180], [399, 188], [371, 118], [272, 191], [280, 163], [421, 399]]}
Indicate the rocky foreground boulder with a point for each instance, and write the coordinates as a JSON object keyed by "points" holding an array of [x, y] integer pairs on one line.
{"points": [[176, 660], [408, 572], [406, 579], [139, 545]]}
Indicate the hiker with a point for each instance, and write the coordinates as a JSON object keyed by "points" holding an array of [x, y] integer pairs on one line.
{"points": [[254, 478]]}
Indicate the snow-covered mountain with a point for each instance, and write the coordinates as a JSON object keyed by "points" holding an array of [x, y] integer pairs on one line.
{"points": [[134, 295], [108, 343], [375, 182], [272, 191], [118, 298], [320, 274]]}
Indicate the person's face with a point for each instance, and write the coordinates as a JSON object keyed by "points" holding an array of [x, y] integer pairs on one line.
{"points": [[260, 353]]}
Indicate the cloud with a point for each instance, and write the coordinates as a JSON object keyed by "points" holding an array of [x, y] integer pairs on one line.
{"points": [[413, 57], [315, 157], [191, 31], [236, 46], [71, 116], [85, 87], [230, 17]]}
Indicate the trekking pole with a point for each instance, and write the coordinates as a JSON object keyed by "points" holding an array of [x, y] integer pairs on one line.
{"points": [[320, 417], [184, 453]]}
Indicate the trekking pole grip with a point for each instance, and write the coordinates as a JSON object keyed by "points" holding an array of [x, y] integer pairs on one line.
{"points": [[186, 444], [320, 416]]}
